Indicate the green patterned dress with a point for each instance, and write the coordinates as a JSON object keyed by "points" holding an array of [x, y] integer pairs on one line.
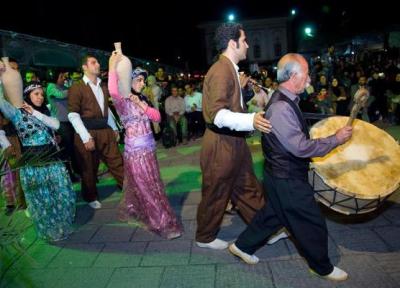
{"points": [[48, 188]]}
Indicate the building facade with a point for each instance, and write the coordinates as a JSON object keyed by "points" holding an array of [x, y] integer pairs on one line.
{"points": [[267, 39]]}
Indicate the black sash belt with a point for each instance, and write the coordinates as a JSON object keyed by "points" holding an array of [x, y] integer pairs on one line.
{"points": [[40, 153], [226, 131], [95, 123]]}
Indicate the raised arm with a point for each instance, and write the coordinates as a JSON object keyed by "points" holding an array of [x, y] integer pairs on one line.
{"points": [[152, 113], [112, 75], [6, 108], [49, 121]]}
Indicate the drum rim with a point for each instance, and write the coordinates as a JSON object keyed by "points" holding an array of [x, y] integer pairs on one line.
{"points": [[387, 192], [360, 196], [342, 211], [339, 205]]}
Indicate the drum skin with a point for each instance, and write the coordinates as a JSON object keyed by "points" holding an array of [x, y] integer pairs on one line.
{"points": [[365, 167]]}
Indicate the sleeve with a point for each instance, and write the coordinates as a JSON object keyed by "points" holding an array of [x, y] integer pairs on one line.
{"points": [[6, 108], [77, 123], [74, 99], [286, 127], [234, 120], [113, 85], [51, 122], [74, 102], [53, 91], [219, 89], [153, 114]]}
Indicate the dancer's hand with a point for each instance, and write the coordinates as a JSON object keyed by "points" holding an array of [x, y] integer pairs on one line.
{"points": [[135, 99], [260, 123], [114, 59], [28, 108], [90, 145]]}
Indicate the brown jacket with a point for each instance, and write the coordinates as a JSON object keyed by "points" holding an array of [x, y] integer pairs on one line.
{"points": [[221, 89], [82, 100]]}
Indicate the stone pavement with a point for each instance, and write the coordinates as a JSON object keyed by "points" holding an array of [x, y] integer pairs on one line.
{"points": [[105, 253]]}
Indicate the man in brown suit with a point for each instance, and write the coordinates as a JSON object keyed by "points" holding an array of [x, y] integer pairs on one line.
{"points": [[93, 123], [225, 158]]}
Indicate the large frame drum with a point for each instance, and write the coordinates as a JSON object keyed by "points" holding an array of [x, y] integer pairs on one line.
{"points": [[358, 176]]}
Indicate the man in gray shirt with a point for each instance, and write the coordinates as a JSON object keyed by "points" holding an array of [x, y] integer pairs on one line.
{"points": [[287, 150], [175, 110]]}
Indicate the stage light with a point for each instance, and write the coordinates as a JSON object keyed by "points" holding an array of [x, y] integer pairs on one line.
{"points": [[308, 31]]}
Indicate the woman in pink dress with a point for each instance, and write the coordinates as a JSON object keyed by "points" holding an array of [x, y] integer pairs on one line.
{"points": [[143, 197]]}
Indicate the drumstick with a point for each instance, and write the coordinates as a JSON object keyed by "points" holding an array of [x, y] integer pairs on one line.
{"points": [[360, 99]]}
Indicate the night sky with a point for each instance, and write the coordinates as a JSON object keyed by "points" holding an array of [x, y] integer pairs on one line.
{"points": [[168, 29]]}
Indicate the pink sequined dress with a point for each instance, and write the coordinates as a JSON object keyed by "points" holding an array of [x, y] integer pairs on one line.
{"points": [[144, 198]]}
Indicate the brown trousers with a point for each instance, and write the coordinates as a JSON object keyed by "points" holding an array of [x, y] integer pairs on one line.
{"points": [[227, 170], [107, 151]]}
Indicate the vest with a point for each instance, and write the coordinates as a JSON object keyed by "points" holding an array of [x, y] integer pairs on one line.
{"points": [[279, 162]]}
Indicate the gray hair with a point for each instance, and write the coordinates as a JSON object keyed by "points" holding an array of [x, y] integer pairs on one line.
{"points": [[286, 70]]}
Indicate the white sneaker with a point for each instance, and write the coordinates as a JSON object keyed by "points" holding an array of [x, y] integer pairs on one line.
{"points": [[249, 259], [217, 244], [95, 204], [278, 236], [336, 275]]}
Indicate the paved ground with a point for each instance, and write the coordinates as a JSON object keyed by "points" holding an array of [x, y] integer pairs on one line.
{"points": [[105, 253]]}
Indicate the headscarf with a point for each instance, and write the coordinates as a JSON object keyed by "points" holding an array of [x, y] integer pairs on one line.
{"points": [[139, 71], [136, 73], [27, 91]]}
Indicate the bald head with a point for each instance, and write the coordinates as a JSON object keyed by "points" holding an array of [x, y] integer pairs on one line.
{"points": [[293, 72], [289, 65]]}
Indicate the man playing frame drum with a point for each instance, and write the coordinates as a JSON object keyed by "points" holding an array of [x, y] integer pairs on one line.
{"points": [[291, 202], [356, 177]]}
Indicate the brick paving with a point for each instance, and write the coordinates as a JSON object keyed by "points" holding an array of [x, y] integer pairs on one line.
{"points": [[106, 253]]}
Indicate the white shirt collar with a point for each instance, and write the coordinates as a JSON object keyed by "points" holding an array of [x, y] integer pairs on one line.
{"points": [[234, 65], [87, 80]]}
